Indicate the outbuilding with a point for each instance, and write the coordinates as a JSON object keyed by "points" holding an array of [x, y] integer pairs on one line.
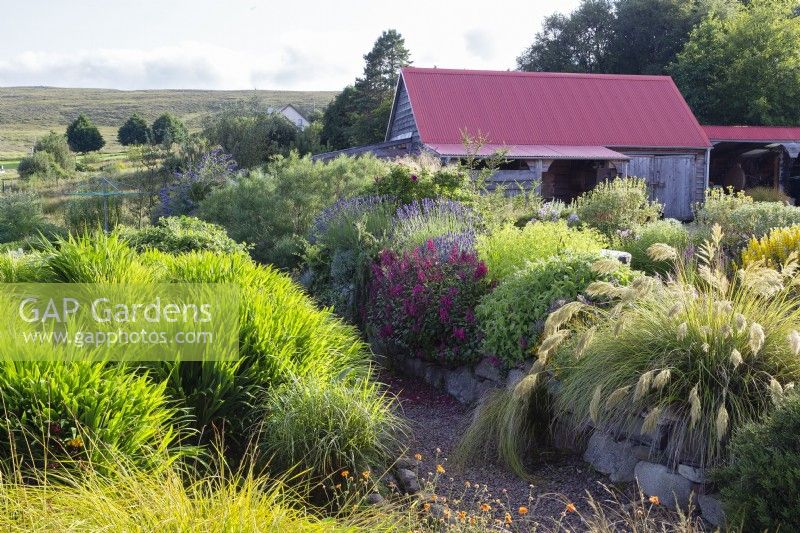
{"points": [[560, 132]]}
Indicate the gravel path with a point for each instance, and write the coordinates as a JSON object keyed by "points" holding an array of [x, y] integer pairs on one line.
{"points": [[438, 422]]}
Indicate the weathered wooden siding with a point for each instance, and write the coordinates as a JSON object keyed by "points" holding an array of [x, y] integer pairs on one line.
{"points": [[676, 179], [403, 124]]}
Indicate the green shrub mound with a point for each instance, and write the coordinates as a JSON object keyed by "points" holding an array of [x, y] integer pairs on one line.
{"points": [[22, 217], [616, 205], [508, 249], [761, 487], [511, 317], [179, 235], [325, 428], [640, 237], [57, 415]]}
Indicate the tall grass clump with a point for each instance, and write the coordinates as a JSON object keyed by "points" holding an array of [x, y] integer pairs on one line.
{"points": [[94, 258], [701, 353], [323, 428], [60, 416], [180, 235], [21, 267], [639, 238], [617, 204], [508, 249], [760, 487]]}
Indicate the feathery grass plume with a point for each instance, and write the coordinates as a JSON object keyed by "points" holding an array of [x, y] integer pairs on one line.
{"points": [[551, 343], [643, 385], [526, 385], [583, 342], [662, 378], [662, 252], [756, 341], [675, 310], [736, 358], [722, 420], [727, 331], [695, 407], [561, 316], [651, 420], [723, 306], [682, 331], [763, 281], [594, 405], [605, 266], [615, 397], [776, 390], [705, 347], [619, 325], [794, 341], [603, 289], [741, 322]]}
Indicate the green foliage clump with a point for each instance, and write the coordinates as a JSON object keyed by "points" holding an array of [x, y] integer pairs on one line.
{"points": [[253, 137], [21, 216], [62, 414], [168, 129], [329, 427], [39, 165], [640, 237], [56, 145], [767, 194], [83, 136], [741, 218], [702, 352], [617, 205], [179, 235], [774, 248], [760, 487], [512, 316], [508, 249], [270, 208], [413, 180], [135, 131]]}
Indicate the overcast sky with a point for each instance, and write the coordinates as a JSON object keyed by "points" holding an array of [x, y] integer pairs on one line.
{"points": [[247, 44]]}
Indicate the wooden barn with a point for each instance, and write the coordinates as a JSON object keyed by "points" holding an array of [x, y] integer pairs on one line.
{"points": [[564, 132]]}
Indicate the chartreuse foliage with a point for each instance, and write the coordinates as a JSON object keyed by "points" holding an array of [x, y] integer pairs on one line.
{"points": [[508, 249], [639, 238], [616, 205], [775, 248]]}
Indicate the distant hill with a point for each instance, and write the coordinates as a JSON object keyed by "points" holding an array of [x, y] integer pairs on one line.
{"points": [[27, 113], [51, 106]]}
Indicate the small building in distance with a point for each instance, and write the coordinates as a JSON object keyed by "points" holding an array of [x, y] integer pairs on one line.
{"points": [[293, 115]]}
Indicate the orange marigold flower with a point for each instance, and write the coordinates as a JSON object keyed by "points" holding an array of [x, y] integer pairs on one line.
{"points": [[439, 469], [507, 519], [345, 473], [462, 516], [522, 510], [485, 507], [365, 474], [426, 507], [654, 500], [446, 514], [571, 508], [418, 456], [338, 486]]}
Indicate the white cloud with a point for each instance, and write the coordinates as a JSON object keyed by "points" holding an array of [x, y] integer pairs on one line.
{"points": [[480, 43], [188, 65]]}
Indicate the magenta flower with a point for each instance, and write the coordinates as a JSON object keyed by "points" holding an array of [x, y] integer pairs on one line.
{"points": [[459, 334]]}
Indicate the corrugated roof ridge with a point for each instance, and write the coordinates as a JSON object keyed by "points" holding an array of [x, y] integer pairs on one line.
{"points": [[477, 72], [746, 126]]}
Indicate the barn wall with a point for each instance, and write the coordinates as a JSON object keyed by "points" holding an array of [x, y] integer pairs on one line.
{"points": [[403, 124], [677, 179]]}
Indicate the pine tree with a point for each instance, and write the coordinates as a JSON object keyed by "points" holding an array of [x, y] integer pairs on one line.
{"points": [[83, 136]]}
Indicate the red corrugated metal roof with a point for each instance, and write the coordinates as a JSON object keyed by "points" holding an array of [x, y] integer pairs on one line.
{"points": [[532, 151], [753, 133], [542, 108]]}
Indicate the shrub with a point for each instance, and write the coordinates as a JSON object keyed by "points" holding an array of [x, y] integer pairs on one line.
{"points": [[271, 208], [507, 250], [180, 235], [59, 414], [253, 138], [774, 248], [39, 165], [327, 427], [418, 222], [56, 145], [422, 303], [616, 205], [512, 316], [83, 136], [135, 131], [767, 194], [761, 486], [21, 216], [639, 238], [168, 129], [191, 186], [410, 181], [703, 354]]}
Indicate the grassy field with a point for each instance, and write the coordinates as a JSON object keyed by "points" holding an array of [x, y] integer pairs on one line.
{"points": [[27, 113]]}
